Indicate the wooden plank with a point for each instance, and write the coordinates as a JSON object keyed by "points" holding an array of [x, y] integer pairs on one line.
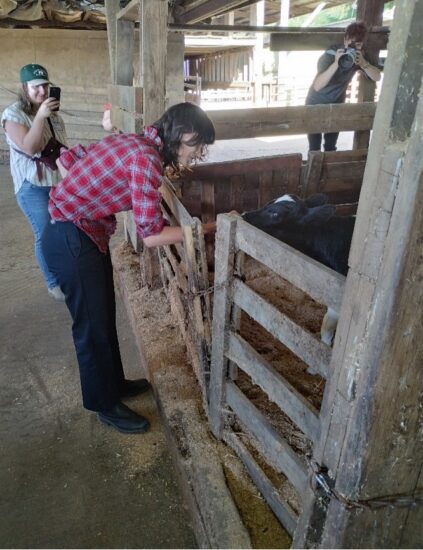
{"points": [[330, 32], [302, 343], [204, 11], [221, 311], [131, 230], [208, 209], [178, 210], [309, 40], [174, 69], [128, 98], [318, 281], [124, 52], [150, 268], [341, 185], [371, 12], [313, 173], [203, 283], [279, 390], [131, 12], [196, 320], [303, 119], [236, 192], [178, 269], [153, 53], [281, 509], [228, 169], [268, 189], [126, 107], [274, 447], [345, 156], [344, 170], [112, 8]]}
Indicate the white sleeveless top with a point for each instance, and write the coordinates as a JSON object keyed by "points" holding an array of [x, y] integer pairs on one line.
{"points": [[23, 168]]}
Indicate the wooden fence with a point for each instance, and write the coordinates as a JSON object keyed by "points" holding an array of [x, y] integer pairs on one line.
{"points": [[205, 285], [228, 406]]}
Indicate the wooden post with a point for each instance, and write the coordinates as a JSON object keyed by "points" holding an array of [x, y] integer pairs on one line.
{"points": [[257, 18], [112, 7], [225, 257], [153, 44], [372, 413], [153, 48], [174, 69], [371, 12]]}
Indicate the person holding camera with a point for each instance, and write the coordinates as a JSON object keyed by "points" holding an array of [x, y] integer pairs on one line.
{"points": [[35, 132], [335, 69]]}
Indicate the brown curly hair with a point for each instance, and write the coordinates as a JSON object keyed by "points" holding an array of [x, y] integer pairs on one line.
{"points": [[358, 31]]}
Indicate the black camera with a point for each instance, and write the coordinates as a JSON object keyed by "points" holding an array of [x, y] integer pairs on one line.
{"points": [[54, 91], [347, 59]]}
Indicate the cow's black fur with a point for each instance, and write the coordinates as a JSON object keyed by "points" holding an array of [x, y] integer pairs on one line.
{"points": [[309, 226]]}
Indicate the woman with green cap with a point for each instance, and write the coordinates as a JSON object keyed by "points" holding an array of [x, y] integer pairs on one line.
{"points": [[33, 129]]}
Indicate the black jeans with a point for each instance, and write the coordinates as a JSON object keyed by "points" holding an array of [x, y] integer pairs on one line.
{"points": [[315, 141], [85, 276]]}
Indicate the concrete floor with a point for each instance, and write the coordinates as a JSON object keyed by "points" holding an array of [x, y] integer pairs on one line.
{"points": [[68, 481]]}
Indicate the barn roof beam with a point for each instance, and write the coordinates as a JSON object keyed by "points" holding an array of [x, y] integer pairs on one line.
{"points": [[203, 27], [208, 9]]}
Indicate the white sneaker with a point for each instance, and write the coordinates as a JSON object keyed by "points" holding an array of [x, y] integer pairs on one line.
{"points": [[56, 293]]}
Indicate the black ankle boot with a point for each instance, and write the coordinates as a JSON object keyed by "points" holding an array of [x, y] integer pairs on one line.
{"points": [[125, 420]]}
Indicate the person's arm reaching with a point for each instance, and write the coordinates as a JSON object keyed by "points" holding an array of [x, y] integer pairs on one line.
{"points": [[173, 234]]}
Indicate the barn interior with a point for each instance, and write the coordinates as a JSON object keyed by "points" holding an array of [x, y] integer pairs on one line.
{"points": [[267, 436]]}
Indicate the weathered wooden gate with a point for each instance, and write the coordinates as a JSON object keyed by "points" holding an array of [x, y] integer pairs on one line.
{"points": [[227, 402], [186, 269]]}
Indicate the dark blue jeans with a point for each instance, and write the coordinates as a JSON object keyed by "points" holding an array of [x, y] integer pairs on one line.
{"points": [[85, 276]]}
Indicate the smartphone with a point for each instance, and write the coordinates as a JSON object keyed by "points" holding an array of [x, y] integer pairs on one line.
{"points": [[54, 91]]}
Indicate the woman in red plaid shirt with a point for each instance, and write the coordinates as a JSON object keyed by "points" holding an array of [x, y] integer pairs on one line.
{"points": [[121, 172]]}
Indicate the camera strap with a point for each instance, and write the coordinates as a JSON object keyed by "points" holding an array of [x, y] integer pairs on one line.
{"points": [[51, 128]]}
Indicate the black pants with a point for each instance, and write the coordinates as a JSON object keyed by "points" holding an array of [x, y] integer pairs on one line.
{"points": [[85, 276], [315, 141]]}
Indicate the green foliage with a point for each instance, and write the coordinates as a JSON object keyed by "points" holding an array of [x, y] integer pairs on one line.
{"points": [[333, 16], [328, 16]]}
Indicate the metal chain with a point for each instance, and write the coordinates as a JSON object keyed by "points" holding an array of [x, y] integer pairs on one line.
{"points": [[209, 290], [322, 479]]}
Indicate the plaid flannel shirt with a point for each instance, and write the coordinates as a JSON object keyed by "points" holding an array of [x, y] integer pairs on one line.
{"points": [[120, 172]]}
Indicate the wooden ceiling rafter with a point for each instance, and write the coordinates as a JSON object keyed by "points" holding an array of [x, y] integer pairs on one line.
{"points": [[207, 9]]}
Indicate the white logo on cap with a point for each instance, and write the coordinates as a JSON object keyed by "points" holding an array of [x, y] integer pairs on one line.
{"points": [[39, 72]]}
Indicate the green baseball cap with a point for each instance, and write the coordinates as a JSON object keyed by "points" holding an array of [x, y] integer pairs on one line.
{"points": [[34, 74]]}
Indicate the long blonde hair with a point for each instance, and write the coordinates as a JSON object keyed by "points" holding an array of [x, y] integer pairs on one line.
{"points": [[24, 104]]}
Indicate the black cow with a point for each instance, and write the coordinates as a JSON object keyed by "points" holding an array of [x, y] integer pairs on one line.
{"points": [[311, 227]]}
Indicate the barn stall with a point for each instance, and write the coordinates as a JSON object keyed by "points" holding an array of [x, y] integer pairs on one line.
{"points": [[299, 424]]}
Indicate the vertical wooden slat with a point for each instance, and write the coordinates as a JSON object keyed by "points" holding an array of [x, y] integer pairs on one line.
{"points": [[371, 12], [313, 173], [174, 69], [153, 50], [225, 237], [124, 52], [112, 8]]}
